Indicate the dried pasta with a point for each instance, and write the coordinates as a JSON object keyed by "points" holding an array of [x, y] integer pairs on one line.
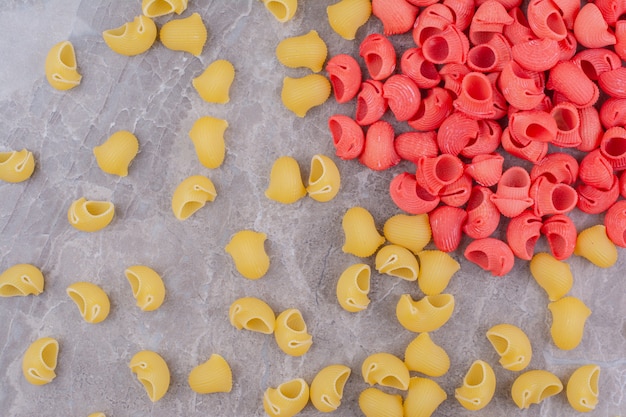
{"points": [[326, 389], [188, 34], [147, 286], [375, 403], [156, 8], [554, 276], [532, 387], [152, 372], [361, 237], [285, 185], [353, 287], [425, 315], [253, 314], [282, 10], [291, 333], [286, 400], [582, 388], [40, 361], [115, 155], [569, 315], [191, 195], [423, 397], [91, 300], [16, 166], [214, 83], [594, 245], [479, 385], [132, 38], [90, 216], [214, 375], [436, 270], [307, 51], [425, 356], [397, 261], [247, 249], [207, 135], [302, 94], [347, 16], [61, 68], [97, 414], [21, 280], [324, 179], [409, 231], [386, 370], [512, 344]]}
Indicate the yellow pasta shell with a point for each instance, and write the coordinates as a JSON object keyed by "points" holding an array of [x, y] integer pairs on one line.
{"points": [[252, 314], [188, 34], [582, 388], [425, 315], [286, 400], [479, 385], [347, 16], [97, 414], [21, 280], [132, 38], [214, 375], [214, 83], [191, 195], [554, 276], [115, 155], [376, 403], [285, 184], [409, 231], [324, 179], [40, 361], [153, 373], [61, 69], [436, 270], [247, 249], [569, 315], [353, 288], [92, 302], [16, 166], [594, 245], [291, 333], [386, 370], [156, 8], [512, 344], [307, 51], [90, 216], [424, 356], [423, 397], [302, 94], [207, 135], [147, 286], [532, 387], [397, 261], [282, 10], [326, 389], [361, 237]]}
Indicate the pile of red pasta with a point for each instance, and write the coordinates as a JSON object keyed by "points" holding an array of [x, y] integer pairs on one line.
{"points": [[485, 77]]}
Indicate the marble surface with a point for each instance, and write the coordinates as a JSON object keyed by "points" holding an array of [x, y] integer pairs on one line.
{"points": [[151, 95]]}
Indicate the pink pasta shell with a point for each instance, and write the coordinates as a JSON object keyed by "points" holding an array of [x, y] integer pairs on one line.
{"points": [[614, 82], [622, 184], [456, 132], [552, 198], [463, 11], [613, 147], [522, 234], [449, 45], [500, 106], [620, 39], [370, 103], [537, 54], [487, 141], [435, 173], [492, 255], [568, 46], [434, 109], [569, 9], [397, 16], [423, 72], [519, 30], [611, 10], [457, 193], [486, 169], [567, 119], [590, 129], [433, 20], [522, 88], [490, 56], [545, 20], [532, 125], [613, 112], [594, 200], [557, 167], [446, 224], [403, 96], [411, 146], [452, 75], [561, 235], [409, 196], [595, 170], [483, 217], [596, 61], [533, 151], [508, 4], [489, 18], [570, 80], [422, 3], [379, 152], [590, 28], [348, 136], [345, 75], [379, 55], [476, 97], [511, 196], [615, 222]]}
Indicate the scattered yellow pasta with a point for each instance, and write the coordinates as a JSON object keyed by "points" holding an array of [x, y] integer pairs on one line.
{"points": [[97, 414], [479, 385], [291, 333], [554, 276], [132, 38], [147, 286], [285, 184], [91, 300], [115, 155], [386, 370], [40, 361], [21, 280], [594, 245], [207, 135], [347, 16], [214, 83], [302, 94], [191, 195], [423, 397], [253, 314], [247, 249], [327, 387], [286, 400], [361, 237], [582, 388], [61, 68], [424, 356], [425, 315], [353, 288], [156, 8], [307, 51], [90, 216], [152, 372], [409, 231], [282, 10], [188, 34], [376, 403], [532, 387], [512, 344], [436, 270], [16, 166], [569, 315], [214, 375], [398, 262], [324, 179]]}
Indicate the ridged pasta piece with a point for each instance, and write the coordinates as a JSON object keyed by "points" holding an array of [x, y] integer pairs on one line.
{"points": [[434, 109], [492, 255], [285, 185], [348, 136], [425, 315], [594, 245], [153, 373], [596, 170], [397, 261], [423, 397], [92, 302], [447, 222], [212, 376], [433, 19], [512, 344], [90, 216], [379, 152], [463, 11], [569, 315], [117, 152], [423, 72], [282, 10], [345, 76], [519, 30], [537, 54], [620, 39], [156, 8], [532, 125], [533, 151], [16, 166], [21, 280], [213, 85], [582, 388], [489, 19], [252, 314], [291, 333], [286, 400], [532, 387], [386, 370], [550, 198], [376, 403], [456, 133], [457, 193], [479, 385], [545, 20], [308, 51], [302, 94], [132, 38], [561, 234], [615, 223], [379, 55], [487, 140], [436, 271], [324, 179], [483, 217], [596, 200], [590, 28], [247, 249], [568, 125], [409, 231], [397, 16], [449, 46], [191, 195], [188, 34], [97, 414], [207, 135], [476, 98], [452, 75], [489, 56], [409, 196], [347, 16], [558, 167], [353, 288], [147, 286], [370, 103], [596, 61], [435, 173], [612, 82], [361, 237], [613, 147], [326, 389], [569, 80], [403, 96], [522, 234], [425, 356], [590, 129], [554, 276], [613, 113], [40, 361], [486, 169], [60, 67], [511, 196]]}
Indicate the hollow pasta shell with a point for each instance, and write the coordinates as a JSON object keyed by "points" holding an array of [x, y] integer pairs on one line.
{"points": [[613, 82], [207, 135], [361, 237], [591, 130], [550, 198], [246, 247], [40, 361], [561, 234], [410, 231], [286, 400], [282, 10], [590, 28], [433, 19], [569, 315], [522, 234], [449, 46], [537, 54], [596, 61], [519, 30], [61, 68], [492, 255], [91, 300], [414, 65], [512, 344], [376, 403], [582, 388], [379, 152], [594, 200], [347, 16], [434, 109], [614, 221], [397, 261], [16, 166], [456, 133], [188, 34], [285, 185], [386, 370], [326, 389], [511, 196], [153, 373], [379, 55], [487, 140], [435, 173], [214, 375], [613, 112], [596, 170], [545, 20], [370, 103], [291, 333], [302, 94], [486, 169], [397, 16], [447, 223], [425, 315], [558, 167], [90, 216], [213, 85], [463, 11], [436, 271], [532, 387], [490, 56], [554, 276], [594, 245], [324, 179], [132, 38], [191, 195], [479, 385], [353, 288], [569, 80], [483, 217], [403, 96], [156, 8], [21, 280], [252, 314], [613, 147], [348, 136], [425, 356], [117, 152], [522, 88], [532, 125], [308, 51], [476, 98], [423, 397], [147, 286], [409, 196], [452, 75], [457, 193], [345, 76]]}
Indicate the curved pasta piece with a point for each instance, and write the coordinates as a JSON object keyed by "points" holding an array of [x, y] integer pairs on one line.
{"points": [[594, 200], [370, 103], [434, 109], [40, 361], [60, 67], [557, 167], [479, 385], [492, 255], [449, 46], [361, 237], [308, 51], [91, 300], [533, 151], [545, 20], [285, 185], [519, 30], [424, 356], [447, 222], [425, 315], [456, 133], [414, 65], [561, 234], [569, 80], [16, 166], [483, 217], [353, 288], [590, 129], [512, 344], [324, 179], [569, 315], [374, 402], [537, 54], [191, 195], [252, 314], [347, 16], [567, 120], [213, 85], [409, 231], [433, 19], [596, 61], [532, 125], [97, 414], [379, 152], [582, 388], [462, 10], [620, 39], [435, 173], [490, 56], [348, 136], [291, 333], [286, 400], [282, 10], [326, 389], [476, 97], [397, 16], [612, 82], [554, 276], [207, 135], [379, 55], [247, 249], [532, 387], [522, 88], [132, 38], [397, 261], [147, 286], [511, 196], [612, 112], [594, 245], [152, 372], [21, 280], [214, 375], [487, 140], [345, 77], [156, 8], [614, 221], [457, 193], [90, 216], [386, 370], [188, 34], [596, 170], [489, 19], [486, 169], [590, 28], [403, 96], [409, 196], [117, 152], [550, 198], [613, 147], [436, 270], [423, 397], [522, 234], [302, 94]]}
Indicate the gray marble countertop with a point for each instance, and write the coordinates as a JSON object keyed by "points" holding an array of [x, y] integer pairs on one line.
{"points": [[152, 96]]}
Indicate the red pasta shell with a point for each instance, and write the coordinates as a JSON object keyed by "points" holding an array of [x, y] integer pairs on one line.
{"points": [[613, 112], [533, 151], [403, 96], [545, 20], [552, 198], [561, 235], [570, 80], [557, 167], [532, 125], [379, 55], [596, 61], [345, 75], [452, 76], [449, 45], [537, 54], [486, 169], [476, 97], [614, 82], [457, 193], [594, 200], [413, 145], [370, 103], [423, 72], [490, 17], [483, 217], [622, 184], [487, 141], [492, 255], [422, 3], [522, 88], [409, 196], [568, 47], [500, 106], [569, 9], [456, 132], [511, 196], [615, 222], [434, 109], [613, 147], [379, 152], [590, 28], [435, 173], [595, 170], [397, 16], [522, 234], [490, 56], [433, 20], [508, 4], [590, 129], [519, 30], [348, 136], [446, 224], [463, 11], [620, 39], [611, 10], [567, 119]]}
